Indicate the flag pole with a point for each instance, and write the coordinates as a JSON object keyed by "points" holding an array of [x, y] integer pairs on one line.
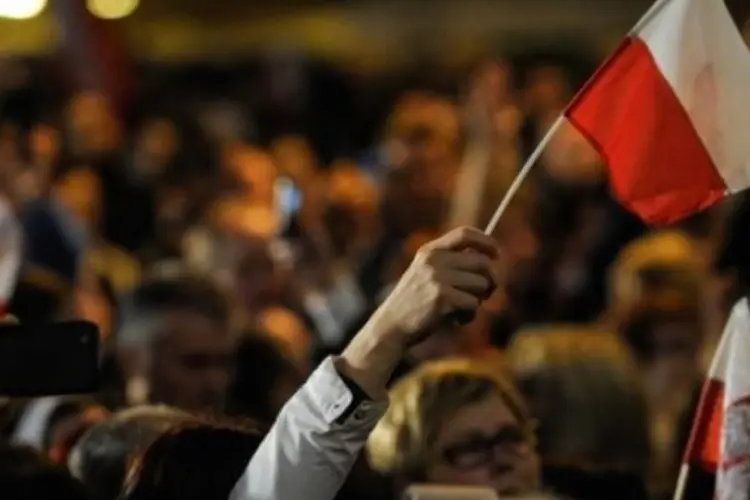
{"points": [[657, 6], [704, 406], [679, 491], [522, 174]]}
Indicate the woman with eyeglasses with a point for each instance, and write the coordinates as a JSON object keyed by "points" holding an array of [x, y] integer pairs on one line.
{"points": [[457, 422]]}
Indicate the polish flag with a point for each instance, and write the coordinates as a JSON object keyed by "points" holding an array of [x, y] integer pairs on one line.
{"points": [[10, 255], [720, 438], [669, 112]]}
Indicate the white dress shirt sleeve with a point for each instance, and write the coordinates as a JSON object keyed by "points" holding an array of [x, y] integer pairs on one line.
{"points": [[314, 442], [10, 254]]}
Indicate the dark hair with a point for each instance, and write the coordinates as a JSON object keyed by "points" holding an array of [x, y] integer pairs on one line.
{"points": [[36, 301], [259, 366], [732, 255], [178, 291], [69, 163], [26, 475], [101, 456], [198, 461]]}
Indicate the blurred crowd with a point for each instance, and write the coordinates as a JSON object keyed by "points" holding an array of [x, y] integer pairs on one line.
{"points": [[223, 254]]}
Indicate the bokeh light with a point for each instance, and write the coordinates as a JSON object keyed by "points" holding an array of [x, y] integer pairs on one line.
{"points": [[21, 9], [112, 9]]}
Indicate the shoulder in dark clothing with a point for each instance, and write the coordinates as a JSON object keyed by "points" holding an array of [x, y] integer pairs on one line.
{"points": [[581, 484]]}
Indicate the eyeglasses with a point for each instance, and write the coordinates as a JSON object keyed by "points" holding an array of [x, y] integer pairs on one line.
{"points": [[479, 450]]}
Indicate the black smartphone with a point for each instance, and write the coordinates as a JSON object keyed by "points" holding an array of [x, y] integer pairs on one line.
{"points": [[46, 360]]}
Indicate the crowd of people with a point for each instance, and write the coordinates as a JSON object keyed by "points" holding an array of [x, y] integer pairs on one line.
{"points": [[276, 324]]}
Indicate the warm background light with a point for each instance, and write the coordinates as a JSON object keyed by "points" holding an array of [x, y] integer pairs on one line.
{"points": [[112, 9], [21, 9]]}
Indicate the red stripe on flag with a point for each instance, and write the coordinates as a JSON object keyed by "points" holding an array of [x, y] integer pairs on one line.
{"points": [[658, 166], [704, 447]]}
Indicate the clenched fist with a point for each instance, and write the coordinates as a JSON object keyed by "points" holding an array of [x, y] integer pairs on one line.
{"points": [[454, 273]]}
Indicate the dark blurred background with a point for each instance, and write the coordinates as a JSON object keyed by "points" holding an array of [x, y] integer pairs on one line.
{"points": [[229, 189]]}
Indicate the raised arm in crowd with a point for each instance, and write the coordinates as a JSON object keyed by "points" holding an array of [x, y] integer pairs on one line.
{"points": [[320, 432]]}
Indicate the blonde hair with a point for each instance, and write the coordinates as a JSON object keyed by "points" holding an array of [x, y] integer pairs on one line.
{"points": [[586, 394], [534, 348], [403, 441], [669, 249]]}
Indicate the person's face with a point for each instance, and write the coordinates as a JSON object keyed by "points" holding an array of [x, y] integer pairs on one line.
{"points": [[423, 154], [295, 158], [192, 363], [93, 124], [423, 144], [257, 280], [417, 148], [414, 200], [352, 207], [256, 172], [80, 192], [547, 88], [159, 142], [674, 362], [484, 445], [44, 142]]}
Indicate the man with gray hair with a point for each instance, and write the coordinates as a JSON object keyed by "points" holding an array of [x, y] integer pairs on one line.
{"points": [[174, 344]]}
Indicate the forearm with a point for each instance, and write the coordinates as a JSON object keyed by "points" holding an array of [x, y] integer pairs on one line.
{"points": [[313, 444], [319, 433], [372, 356]]}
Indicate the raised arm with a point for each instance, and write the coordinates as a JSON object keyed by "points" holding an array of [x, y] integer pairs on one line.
{"points": [[320, 432]]}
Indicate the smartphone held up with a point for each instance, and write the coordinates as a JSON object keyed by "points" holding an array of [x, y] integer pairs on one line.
{"points": [[48, 359]]}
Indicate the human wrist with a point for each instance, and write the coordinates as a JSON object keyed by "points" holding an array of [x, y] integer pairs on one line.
{"points": [[371, 357], [385, 327]]}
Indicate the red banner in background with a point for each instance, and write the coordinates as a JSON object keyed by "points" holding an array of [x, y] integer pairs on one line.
{"points": [[94, 52]]}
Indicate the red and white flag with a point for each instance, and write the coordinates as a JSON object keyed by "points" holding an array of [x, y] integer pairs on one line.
{"points": [[720, 439], [10, 254], [669, 112]]}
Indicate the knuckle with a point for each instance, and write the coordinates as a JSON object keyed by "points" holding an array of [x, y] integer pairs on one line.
{"points": [[433, 276], [485, 261], [490, 266], [442, 301], [484, 282], [424, 253], [465, 232], [434, 293], [429, 257]]}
